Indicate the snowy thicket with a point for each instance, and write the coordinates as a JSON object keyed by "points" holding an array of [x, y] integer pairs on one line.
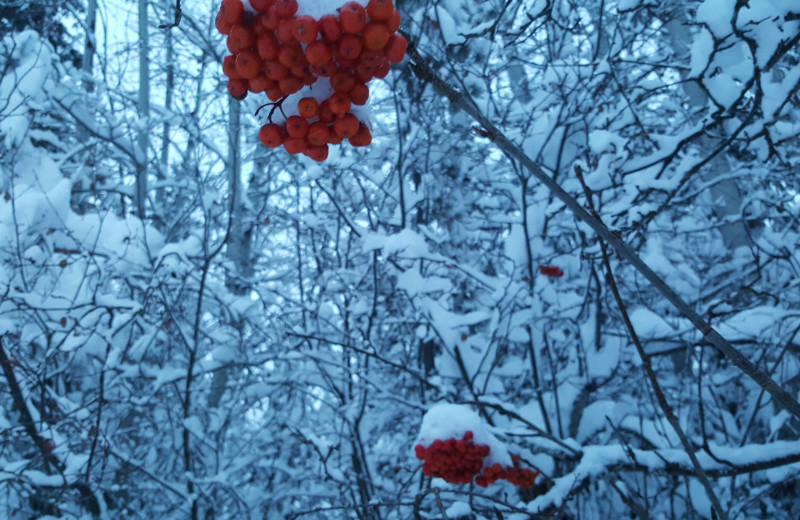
{"points": [[264, 341]]}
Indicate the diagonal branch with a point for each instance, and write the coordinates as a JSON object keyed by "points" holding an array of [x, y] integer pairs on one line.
{"points": [[424, 72]]}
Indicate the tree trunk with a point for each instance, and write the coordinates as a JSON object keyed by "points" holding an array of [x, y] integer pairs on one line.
{"points": [[144, 111]]}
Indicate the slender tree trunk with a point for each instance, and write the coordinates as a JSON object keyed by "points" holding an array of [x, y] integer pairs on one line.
{"points": [[163, 171], [144, 110]]}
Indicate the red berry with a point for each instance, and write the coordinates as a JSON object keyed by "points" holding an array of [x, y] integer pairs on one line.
{"points": [[393, 23], [274, 70], [380, 9], [237, 88], [248, 64], [275, 93], [231, 10], [305, 29], [295, 145], [318, 153], [325, 114], [262, 6], [222, 25], [308, 107], [290, 85], [271, 135], [296, 126], [396, 48], [318, 53], [346, 126], [376, 36], [292, 56], [352, 18], [270, 19], [340, 104], [241, 38], [318, 133], [285, 33], [329, 28], [229, 67], [350, 47], [359, 94], [286, 8], [363, 137], [342, 80], [325, 70], [268, 46]]}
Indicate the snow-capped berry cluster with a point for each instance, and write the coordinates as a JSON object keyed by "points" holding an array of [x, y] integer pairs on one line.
{"points": [[275, 51], [458, 461]]}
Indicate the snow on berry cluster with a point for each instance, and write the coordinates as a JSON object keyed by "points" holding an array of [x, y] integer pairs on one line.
{"points": [[314, 70], [458, 457]]}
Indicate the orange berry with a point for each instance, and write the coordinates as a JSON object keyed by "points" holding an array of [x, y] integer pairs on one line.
{"points": [[305, 29], [325, 70], [342, 80], [380, 9], [396, 48], [222, 25], [350, 47], [382, 69], [346, 126], [237, 88], [241, 38], [248, 64], [231, 10], [376, 36], [291, 56], [271, 135], [274, 70], [352, 18], [339, 103], [296, 126], [229, 67], [325, 114], [259, 84], [334, 138], [393, 23], [318, 53], [318, 153], [329, 28], [308, 107], [275, 93], [365, 72], [262, 6], [268, 46], [362, 137], [318, 133], [290, 85], [285, 33], [345, 63], [371, 56], [308, 77], [295, 145], [286, 8], [270, 19], [359, 94]]}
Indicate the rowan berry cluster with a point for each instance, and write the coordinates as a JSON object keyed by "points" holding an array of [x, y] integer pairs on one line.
{"points": [[458, 461], [276, 52]]}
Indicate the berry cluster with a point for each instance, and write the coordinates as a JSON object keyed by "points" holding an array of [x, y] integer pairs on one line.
{"points": [[459, 461], [521, 477], [456, 461], [277, 52]]}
